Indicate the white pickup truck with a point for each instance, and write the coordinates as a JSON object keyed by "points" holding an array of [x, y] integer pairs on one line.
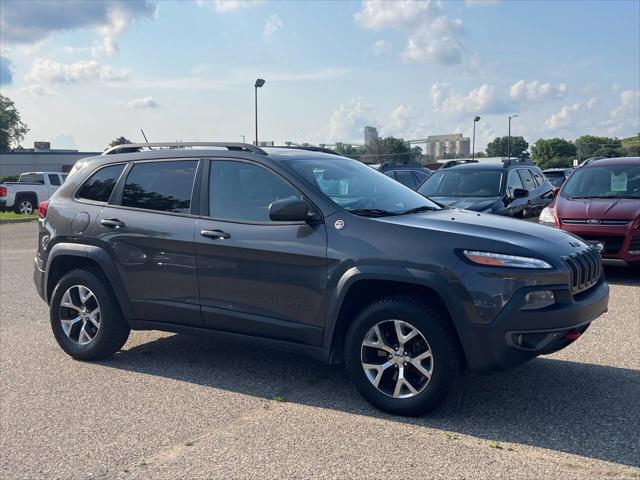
{"points": [[31, 188]]}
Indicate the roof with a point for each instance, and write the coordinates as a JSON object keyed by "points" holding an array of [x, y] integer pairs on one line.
{"points": [[487, 166], [557, 169], [617, 161]]}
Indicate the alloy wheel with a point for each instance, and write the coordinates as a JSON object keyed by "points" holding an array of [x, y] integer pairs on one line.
{"points": [[397, 358], [26, 207], [80, 314]]}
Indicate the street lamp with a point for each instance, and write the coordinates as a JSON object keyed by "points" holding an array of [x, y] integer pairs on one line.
{"points": [[509, 141], [473, 148], [259, 83]]}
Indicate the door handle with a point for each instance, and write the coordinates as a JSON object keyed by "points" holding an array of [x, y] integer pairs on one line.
{"points": [[215, 234], [112, 223]]}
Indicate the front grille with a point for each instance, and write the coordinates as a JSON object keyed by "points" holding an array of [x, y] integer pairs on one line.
{"points": [[594, 222], [612, 244], [586, 268]]}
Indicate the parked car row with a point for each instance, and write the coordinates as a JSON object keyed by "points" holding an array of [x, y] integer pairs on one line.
{"points": [[31, 188]]}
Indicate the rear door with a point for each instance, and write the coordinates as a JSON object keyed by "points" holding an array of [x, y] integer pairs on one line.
{"points": [[148, 230], [256, 276]]}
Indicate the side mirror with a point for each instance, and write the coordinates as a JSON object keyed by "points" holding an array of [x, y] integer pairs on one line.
{"points": [[289, 210], [519, 193]]}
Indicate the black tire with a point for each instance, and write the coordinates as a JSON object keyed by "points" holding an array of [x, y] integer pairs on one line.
{"points": [[25, 199], [435, 327], [113, 331]]}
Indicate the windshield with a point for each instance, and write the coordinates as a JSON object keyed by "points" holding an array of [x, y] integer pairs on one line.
{"points": [[555, 178], [462, 183], [358, 188], [610, 181]]}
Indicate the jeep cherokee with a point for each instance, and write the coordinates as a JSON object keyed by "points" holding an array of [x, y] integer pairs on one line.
{"points": [[312, 253]]}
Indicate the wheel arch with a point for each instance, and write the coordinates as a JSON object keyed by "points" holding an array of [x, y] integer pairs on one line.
{"points": [[20, 195], [65, 257], [360, 286]]}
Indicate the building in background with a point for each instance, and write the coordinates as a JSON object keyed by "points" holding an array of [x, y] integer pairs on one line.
{"points": [[370, 135], [453, 146], [265, 143], [41, 158]]}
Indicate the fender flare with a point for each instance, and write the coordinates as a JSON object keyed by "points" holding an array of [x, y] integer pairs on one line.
{"points": [[101, 258], [453, 294]]}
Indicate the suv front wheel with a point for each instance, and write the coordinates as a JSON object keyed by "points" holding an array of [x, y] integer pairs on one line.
{"points": [[85, 318], [402, 355]]}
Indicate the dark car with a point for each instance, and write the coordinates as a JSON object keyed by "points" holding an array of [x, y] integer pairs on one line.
{"points": [[600, 202], [514, 188], [557, 176], [410, 175], [311, 253]]}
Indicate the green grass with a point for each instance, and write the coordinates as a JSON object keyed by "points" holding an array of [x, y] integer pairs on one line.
{"points": [[12, 215]]}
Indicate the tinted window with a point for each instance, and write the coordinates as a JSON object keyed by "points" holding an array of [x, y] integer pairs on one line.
{"points": [[462, 183], [513, 182], [163, 186], [32, 178], [100, 185], [537, 177], [420, 176], [242, 191], [405, 178], [54, 179], [611, 181], [390, 174], [64, 176], [527, 179], [555, 178]]}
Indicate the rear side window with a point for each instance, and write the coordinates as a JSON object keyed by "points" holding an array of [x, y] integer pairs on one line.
{"points": [[405, 178], [537, 176], [54, 179], [420, 176], [99, 186], [527, 179], [162, 186]]}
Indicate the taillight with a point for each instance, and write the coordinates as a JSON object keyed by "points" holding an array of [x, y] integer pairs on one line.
{"points": [[3, 191], [42, 209]]}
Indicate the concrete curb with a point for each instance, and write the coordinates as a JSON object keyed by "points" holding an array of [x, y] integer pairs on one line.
{"points": [[4, 221]]}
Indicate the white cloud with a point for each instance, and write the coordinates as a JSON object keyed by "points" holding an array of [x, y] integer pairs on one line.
{"points": [[37, 91], [348, 121], [272, 24], [480, 100], [536, 91], [225, 6], [567, 116], [45, 71], [400, 117], [592, 102], [432, 36], [629, 105], [481, 3], [381, 47], [143, 102]]}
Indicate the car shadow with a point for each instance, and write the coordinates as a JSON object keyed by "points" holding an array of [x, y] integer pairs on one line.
{"points": [[583, 409], [622, 275]]}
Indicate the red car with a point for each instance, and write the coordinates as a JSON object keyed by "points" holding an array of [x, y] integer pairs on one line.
{"points": [[600, 202]]}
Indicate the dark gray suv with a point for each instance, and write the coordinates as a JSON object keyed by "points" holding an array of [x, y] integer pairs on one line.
{"points": [[308, 252]]}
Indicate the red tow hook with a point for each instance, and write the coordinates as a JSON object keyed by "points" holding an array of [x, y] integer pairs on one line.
{"points": [[574, 335]]}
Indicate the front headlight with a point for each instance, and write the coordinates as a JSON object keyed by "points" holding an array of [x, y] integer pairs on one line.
{"points": [[502, 260], [547, 217]]}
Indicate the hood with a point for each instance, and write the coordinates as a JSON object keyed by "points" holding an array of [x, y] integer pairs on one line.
{"points": [[477, 204], [598, 208]]}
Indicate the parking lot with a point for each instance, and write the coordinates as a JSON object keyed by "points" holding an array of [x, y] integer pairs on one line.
{"points": [[173, 406]]}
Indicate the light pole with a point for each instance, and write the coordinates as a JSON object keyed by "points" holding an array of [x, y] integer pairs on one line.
{"points": [[473, 148], [509, 141], [244, 140], [259, 83]]}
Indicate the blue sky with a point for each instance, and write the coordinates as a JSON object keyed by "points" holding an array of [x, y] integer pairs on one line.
{"points": [[82, 73]]}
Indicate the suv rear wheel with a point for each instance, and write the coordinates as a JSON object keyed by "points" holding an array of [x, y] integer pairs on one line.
{"points": [[85, 317], [402, 355]]}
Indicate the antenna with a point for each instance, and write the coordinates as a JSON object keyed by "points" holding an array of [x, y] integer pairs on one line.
{"points": [[145, 137]]}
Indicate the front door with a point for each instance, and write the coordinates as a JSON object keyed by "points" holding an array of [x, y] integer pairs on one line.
{"points": [[148, 232], [257, 276]]}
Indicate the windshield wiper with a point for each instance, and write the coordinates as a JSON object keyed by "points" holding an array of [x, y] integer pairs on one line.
{"points": [[372, 212], [423, 208]]}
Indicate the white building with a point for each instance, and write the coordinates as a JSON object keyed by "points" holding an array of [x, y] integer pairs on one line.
{"points": [[453, 144], [37, 159]]}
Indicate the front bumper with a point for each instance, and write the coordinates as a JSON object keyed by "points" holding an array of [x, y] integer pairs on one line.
{"points": [[516, 336]]}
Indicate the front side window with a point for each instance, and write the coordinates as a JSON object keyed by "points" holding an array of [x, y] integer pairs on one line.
{"points": [[463, 183], [54, 179], [240, 191], [358, 188], [99, 186], [161, 186], [611, 181]]}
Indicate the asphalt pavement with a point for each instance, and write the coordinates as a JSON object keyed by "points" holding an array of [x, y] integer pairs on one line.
{"points": [[173, 406]]}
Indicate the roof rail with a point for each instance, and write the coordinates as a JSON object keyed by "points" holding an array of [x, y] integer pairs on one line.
{"points": [[309, 148], [453, 163], [136, 147], [516, 161]]}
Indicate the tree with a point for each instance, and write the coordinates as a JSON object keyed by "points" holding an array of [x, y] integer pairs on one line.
{"points": [[630, 146], [553, 150], [391, 149], [348, 150], [592, 146], [12, 129], [500, 147]]}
